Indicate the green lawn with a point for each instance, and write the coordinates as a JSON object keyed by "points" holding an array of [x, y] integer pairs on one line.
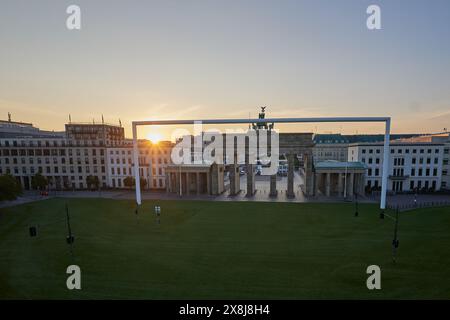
{"points": [[222, 250]]}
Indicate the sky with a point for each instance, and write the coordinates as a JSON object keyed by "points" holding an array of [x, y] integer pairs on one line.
{"points": [[192, 59]]}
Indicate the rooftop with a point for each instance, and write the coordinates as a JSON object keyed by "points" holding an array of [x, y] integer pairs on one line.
{"points": [[332, 164], [369, 138]]}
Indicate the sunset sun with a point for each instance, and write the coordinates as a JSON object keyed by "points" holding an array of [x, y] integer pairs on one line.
{"points": [[154, 137]]}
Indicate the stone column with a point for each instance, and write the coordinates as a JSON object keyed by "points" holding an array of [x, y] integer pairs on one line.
{"points": [[351, 184], [234, 179], [290, 177], [361, 184], [167, 182], [197, 184], [273, 185], [317, 183], [327, 184], [177, 182], [340, 184], [250, 180], [309, 180], [208, 183], [188, 183]]}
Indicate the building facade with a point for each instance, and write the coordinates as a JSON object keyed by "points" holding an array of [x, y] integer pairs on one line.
{"points": [[330, 147], [443, 138], [342, 179], [68, 158], [334, 146], [413, 166], [153, 159]]}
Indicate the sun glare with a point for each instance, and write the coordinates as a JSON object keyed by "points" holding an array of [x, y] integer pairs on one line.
{"points": [[154, 137]]}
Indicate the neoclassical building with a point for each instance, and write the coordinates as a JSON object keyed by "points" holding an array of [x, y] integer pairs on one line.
{"points": [[340, 178], [195, 179]]}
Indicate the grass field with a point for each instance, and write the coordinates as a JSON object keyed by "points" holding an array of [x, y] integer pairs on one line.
{"points": [[221, 250]]}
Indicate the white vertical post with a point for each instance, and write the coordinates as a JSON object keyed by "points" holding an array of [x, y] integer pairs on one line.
{"points": [[136, 165], [386, 156]]}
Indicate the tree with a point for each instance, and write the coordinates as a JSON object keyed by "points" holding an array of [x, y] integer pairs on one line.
{"points": [[143, 182], [92, 182], [38, 181], [10, 188], [129, 182]]}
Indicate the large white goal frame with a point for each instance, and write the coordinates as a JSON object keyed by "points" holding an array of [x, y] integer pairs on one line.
{"points": [[386, 152]]}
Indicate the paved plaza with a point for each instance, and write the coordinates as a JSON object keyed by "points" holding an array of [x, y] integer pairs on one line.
{"points": [[262, 194]]}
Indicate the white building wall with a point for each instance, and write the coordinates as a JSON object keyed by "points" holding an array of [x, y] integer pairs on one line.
{"points": [[445, 184], [412, 165], [67, 166], [152, 163]]}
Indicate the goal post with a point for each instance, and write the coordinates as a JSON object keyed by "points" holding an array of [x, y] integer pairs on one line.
{"points": [[385, 120]]}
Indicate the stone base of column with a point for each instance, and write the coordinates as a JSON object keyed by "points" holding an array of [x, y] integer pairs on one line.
{"points": [[290, 178], [273, 186], [235, 184], [250, 180]]}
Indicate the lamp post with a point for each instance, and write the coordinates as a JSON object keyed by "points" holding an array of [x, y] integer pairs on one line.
{"points": [[395, 241]]}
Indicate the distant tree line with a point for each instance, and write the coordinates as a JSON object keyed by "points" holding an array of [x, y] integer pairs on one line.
{"points": [[10, 187], [130, 182]]}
